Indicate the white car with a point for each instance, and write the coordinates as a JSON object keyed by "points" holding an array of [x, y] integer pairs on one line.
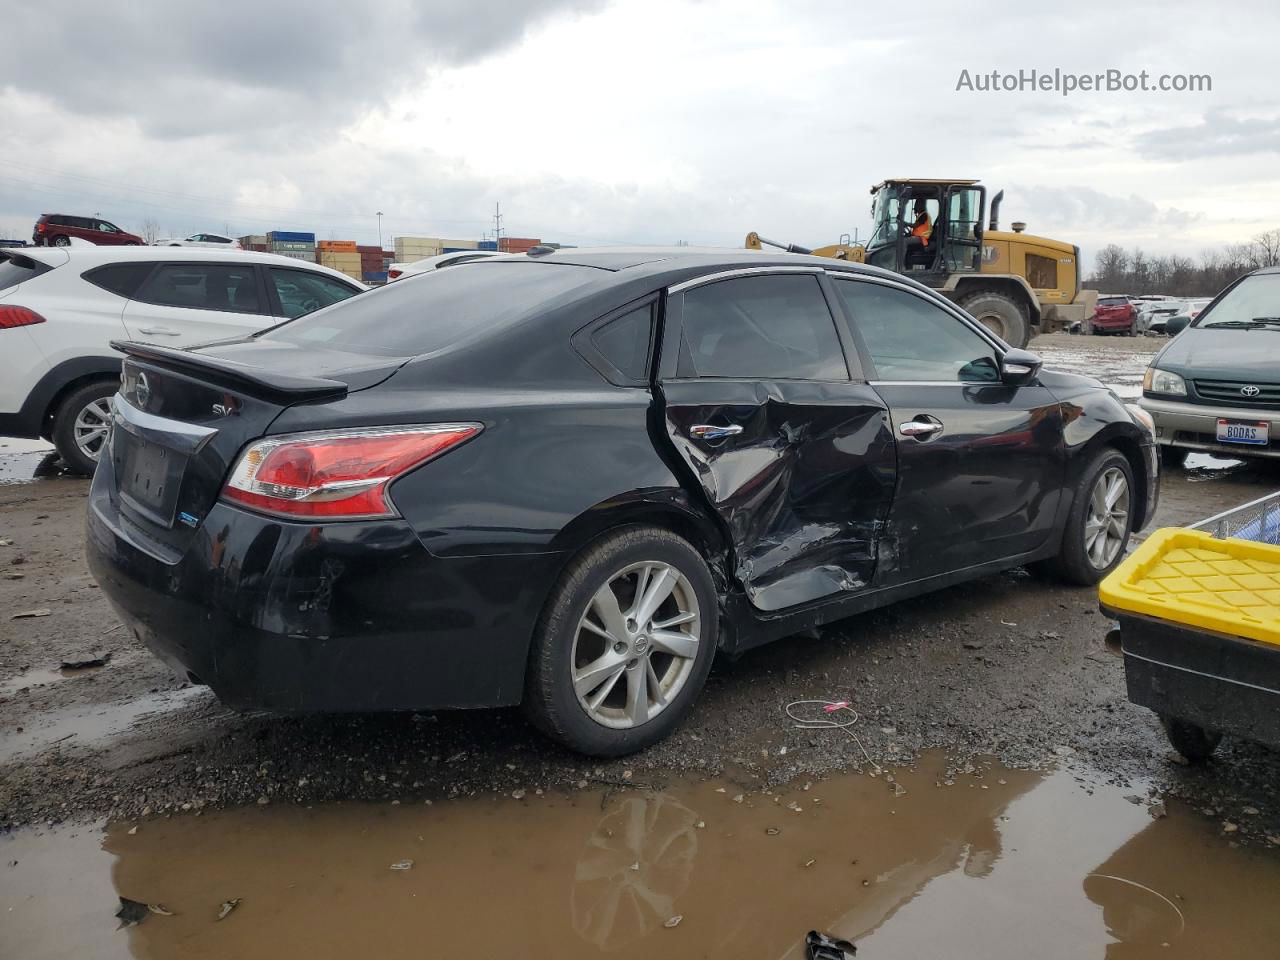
{"points": [[61, 306], [212, 240], [399, 270]]}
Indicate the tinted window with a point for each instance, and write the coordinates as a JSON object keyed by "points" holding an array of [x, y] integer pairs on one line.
{"points": [[910, 338], [624, 342], [762, 327], [1112, 302], [106, 227], [120, 278], [204, 286], [15, 269], [427, 312], [301, 291]]}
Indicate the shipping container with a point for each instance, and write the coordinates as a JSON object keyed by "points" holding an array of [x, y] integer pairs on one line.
{"points": [[487, 245], [254, 241], [345, 246], [374, 276], [292, 236]]}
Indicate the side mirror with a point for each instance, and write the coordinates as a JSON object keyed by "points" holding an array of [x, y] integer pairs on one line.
{"points": [[1019, 367], [1176, 324]]}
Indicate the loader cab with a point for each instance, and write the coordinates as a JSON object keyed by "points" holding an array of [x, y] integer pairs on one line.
{"points": [[956, 209]]}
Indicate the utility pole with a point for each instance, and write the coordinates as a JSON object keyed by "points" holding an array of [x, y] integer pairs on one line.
{"points": [[379, 216], [497, 224]]}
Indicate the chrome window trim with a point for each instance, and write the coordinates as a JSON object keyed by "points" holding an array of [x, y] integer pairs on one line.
{"points": [[686, 285], [946, 306], [936, 383]]}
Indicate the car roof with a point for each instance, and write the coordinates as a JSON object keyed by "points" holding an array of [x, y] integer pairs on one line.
{"points": [[659, 259], [89, 255]]}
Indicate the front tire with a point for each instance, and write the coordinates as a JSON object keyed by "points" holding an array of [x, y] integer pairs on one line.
{"points": [[1001, 315], [1099, 522], [624, 644], [80, 425]]}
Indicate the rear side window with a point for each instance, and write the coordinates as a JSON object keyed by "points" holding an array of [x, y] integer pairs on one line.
{"points": [[761, 327], [301, 291], [624, 342], [15, 269], [204, 286], [122, 279], [427, 312]]}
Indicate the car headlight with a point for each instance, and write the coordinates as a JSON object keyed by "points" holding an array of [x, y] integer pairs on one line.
{"points": [[1162, 381], [1141, 416]]}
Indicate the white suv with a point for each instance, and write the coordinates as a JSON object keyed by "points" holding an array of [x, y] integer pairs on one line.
{"points": [[61, 306]]}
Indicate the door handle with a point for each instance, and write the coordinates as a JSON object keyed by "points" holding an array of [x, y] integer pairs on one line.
{"points": [[920, 429], [707, 431], [160, 331]]}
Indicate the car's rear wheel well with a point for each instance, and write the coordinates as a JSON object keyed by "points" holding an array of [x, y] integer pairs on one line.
{"points": [[68, 388]]}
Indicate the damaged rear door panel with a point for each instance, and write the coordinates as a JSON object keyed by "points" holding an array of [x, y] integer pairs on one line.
{"points": [[794, 456]]}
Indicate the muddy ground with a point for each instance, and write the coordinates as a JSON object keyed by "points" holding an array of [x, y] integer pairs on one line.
{"points": [[1010, 666]]}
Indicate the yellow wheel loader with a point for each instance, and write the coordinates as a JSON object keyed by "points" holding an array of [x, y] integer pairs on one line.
{"points": [[1015, 284]]}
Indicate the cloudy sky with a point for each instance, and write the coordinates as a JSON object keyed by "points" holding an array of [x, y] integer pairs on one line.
{"points": [[612, 121]]}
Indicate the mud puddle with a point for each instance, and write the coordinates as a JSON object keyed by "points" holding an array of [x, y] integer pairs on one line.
{"points": [[994, 864], [88, 724], [42, 677], [22, 461]]}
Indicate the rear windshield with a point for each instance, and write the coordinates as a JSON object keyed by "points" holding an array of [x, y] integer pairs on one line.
{"points": [[1112, 302], [430, 311], [14, 268], [1254, 300]]}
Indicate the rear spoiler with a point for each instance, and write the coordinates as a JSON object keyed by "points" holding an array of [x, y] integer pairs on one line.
{"points": [[256, 381]]}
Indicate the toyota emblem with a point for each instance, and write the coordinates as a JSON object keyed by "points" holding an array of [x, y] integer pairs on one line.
{"points": [[1250, 390]]}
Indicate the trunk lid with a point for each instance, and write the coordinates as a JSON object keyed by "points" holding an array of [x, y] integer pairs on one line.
{"points": [[183, 416]]}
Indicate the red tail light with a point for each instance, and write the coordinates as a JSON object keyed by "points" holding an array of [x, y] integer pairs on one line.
{"points": [[392, 274], [40, 228], [338, 474], [18, 317]]}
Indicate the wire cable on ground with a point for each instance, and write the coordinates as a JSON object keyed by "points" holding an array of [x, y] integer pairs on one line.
{"points": [[828, 720]]}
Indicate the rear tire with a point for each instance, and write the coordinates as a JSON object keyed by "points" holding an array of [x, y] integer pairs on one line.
{"points": [[1082, 558], [1003, 316], [60, 241], [80, 425], [583, 689], [1194, 742], [1173, 457]]}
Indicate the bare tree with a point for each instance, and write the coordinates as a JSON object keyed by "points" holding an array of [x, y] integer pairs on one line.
{"points": [[150, 230], [1266, 248]]}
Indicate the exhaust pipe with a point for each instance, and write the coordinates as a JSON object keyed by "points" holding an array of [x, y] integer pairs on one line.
{"points": [[995, 211]]}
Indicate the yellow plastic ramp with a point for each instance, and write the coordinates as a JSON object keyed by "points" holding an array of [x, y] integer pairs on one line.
{"points": [[1191, 578]]}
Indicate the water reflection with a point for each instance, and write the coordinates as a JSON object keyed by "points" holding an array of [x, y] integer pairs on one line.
{"points": [[993, 864]]}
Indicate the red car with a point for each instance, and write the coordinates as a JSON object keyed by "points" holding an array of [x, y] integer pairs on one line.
{"points": [[1115, 315], [57, 229]]}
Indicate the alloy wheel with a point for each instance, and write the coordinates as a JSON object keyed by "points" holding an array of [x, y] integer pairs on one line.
{"points": [[635, 644], [62, 241], [90, 430], [1107, 518]]}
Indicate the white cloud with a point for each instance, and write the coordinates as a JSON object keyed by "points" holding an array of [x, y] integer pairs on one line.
{"points": [[645, 121]]}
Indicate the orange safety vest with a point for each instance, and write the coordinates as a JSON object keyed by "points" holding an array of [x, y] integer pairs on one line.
{"points": [[923, 229]]}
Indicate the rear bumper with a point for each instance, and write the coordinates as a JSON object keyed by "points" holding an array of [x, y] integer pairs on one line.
{"points": [[1194, 426], [294, 617], [1215, 681]]}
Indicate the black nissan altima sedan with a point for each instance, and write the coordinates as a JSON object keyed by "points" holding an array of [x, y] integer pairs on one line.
{"points": [[568, 479]]}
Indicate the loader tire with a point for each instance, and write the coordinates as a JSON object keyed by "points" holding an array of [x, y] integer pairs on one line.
{"points": [[1002, 315]]}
